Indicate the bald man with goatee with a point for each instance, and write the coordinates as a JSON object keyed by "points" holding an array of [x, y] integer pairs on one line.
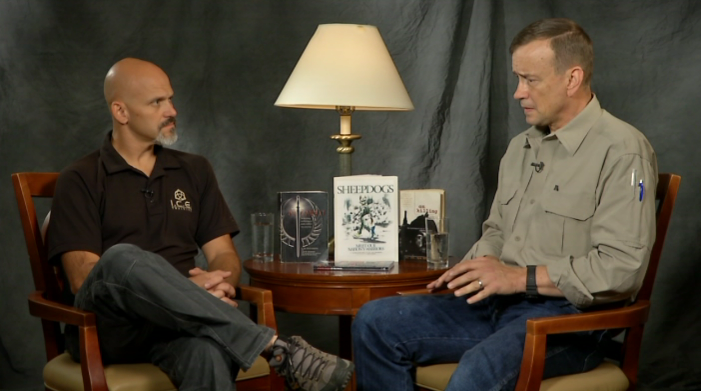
{"points": [[127, 222]]}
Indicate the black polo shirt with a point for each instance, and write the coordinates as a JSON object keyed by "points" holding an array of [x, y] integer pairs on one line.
{"points": [[100, 201]]}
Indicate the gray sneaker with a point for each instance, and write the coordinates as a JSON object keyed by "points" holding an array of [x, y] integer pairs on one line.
{"points": [[308, 368]]}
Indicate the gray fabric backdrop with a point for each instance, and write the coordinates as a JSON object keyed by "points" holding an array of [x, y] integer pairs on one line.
{"points": [[229, 60]]}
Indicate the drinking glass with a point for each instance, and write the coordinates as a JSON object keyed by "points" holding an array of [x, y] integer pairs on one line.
{"points": [[262, 224], [437, 242]]}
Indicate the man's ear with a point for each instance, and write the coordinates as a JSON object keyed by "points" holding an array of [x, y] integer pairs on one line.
{"points": [[575, 80], [120, 112]]}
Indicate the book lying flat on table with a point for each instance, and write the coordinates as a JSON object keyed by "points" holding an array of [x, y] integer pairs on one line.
{"points": [[363, 266]]}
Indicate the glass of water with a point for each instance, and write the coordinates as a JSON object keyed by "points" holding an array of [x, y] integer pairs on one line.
{"points": [[437, 242], [262, 246]]}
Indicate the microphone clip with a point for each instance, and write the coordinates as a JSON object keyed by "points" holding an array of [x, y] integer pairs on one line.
{"points": [[538, 166]]}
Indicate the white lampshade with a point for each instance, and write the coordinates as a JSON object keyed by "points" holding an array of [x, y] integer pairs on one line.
{"points": [[345, 65]]}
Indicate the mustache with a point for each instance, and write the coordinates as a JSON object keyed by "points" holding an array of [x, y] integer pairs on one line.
{"points": [[167, 122]]}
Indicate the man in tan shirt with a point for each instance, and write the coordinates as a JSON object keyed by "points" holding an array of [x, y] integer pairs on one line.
{"points": [[571, 227]]}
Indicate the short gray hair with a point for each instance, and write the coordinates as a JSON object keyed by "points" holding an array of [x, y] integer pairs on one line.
{"points": [[568, 40]]}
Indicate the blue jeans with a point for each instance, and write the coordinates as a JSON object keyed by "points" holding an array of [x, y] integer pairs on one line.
{"points": [[393, 334], [146, 311]]}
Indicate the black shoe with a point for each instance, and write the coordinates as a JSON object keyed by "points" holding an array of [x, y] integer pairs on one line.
{"points": [[308, 368]]}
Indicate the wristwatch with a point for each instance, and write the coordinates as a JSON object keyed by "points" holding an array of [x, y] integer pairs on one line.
{"points": [[531, 287]]}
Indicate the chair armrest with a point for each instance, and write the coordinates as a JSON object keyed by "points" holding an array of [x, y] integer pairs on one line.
{"points": [[90, 357], [617, 318], [263, 300], [44, 308], [533, 362]]}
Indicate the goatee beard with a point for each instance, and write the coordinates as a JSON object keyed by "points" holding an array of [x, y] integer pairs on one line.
{"points": [[164, 140]]}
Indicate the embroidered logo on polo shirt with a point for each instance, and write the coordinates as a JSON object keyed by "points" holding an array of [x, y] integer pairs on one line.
{"points": [[180, 202]]}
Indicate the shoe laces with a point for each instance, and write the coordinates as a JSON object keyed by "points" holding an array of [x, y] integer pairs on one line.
{"points": [[309, 366]]}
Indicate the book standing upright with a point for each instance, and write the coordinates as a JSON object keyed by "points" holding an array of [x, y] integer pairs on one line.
{"points": [[304, 232], [415, 206], [418, 202], [366, 218]]}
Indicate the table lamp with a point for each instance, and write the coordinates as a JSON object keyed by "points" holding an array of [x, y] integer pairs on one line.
{"points": [[345, 67]]}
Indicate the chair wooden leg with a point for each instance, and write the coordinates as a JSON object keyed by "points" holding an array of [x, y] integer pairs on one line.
{"points": [[532, 364], [631, 354], [91, 360], [277, 383]]}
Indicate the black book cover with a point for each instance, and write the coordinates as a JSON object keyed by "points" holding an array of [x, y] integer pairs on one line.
{"points": [[412, 238], [415, 206], [304, 226]]}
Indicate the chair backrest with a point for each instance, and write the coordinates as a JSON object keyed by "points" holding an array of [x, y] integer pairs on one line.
{"points": [[47, 278], [666, 196], [629, 352]]}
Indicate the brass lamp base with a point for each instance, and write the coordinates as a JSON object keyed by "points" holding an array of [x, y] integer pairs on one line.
{"points": [[344, 151], [345, 140]]}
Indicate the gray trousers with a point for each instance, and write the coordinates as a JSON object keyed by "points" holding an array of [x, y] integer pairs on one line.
{"points": [[146, 311]]}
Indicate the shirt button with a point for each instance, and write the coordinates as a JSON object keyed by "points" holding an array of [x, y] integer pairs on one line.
{"points": [[532, 201], [518, 238]]}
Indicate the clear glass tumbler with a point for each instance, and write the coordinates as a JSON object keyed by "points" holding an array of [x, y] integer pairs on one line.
{"points": [[263, 225]]}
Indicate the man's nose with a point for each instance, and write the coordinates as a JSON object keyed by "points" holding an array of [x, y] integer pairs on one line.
{"points": [[520, 92], [171, 112]]}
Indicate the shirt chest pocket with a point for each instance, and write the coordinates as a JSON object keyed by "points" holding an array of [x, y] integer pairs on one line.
{"points": [[508, 204], [565, 227]]}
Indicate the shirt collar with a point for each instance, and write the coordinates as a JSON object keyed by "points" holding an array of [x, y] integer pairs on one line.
{"points": [[533, 136], [114, 162], [572, 134]]}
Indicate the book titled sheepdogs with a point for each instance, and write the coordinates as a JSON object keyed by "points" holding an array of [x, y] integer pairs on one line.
{"points": [[366, 212]]}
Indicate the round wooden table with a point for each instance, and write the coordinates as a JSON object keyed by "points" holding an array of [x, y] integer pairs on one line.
{"points": [[297, 288]]}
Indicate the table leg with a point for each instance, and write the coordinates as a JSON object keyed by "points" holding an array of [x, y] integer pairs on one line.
{"points": [[344, 336], [346, 343]]}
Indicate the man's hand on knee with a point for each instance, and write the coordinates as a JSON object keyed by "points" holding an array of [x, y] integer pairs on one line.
{"points": [[214, 283], [483, 277], [207, 280], [225, 291], [222, 295]]}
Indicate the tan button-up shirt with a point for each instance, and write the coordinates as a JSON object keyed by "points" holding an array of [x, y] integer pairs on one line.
{"points": [[581, 213]]}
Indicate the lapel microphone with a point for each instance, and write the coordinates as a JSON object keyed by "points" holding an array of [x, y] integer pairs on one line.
{"points": [[538, 166]]}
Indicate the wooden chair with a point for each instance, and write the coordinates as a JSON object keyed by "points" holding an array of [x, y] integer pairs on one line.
{"points": [[61, 373], [632, 318]]}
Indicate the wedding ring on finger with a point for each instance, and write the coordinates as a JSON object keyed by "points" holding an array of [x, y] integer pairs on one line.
{"points": [[481, 285]]}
